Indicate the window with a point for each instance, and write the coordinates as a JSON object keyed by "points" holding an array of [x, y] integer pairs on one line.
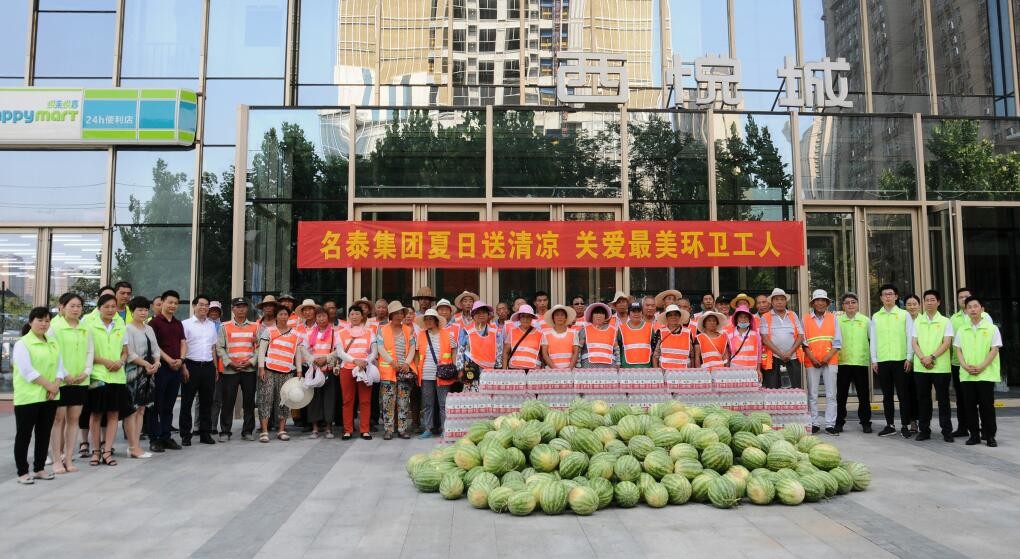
{"points": [[486, 72], [458, 9], [458, 39], [246, 38], [513, 39], [513, 9], [162, 39], [13, 27], [487, 40], [75, 45], [459, 71], [486, 9], [62, 186], [511, 71]]}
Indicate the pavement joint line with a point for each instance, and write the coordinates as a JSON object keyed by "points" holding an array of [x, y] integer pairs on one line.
{"points": [[963, 453], [252, 527]]}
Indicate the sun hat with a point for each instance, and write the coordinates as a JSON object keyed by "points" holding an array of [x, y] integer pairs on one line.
{"points": [[460, 297], [420, 320], [447, 304], [819, 294], [305, 303], [620, 295], [216, 305], [480, 305], [743, 298], [746, 310], [777, 292], [659, 298], [424, 293], [393, 307], [719, 317], [593, 306], [523, 310], [685, 315], [571, 314], [287, 297], [267, 300], [294, 394]]}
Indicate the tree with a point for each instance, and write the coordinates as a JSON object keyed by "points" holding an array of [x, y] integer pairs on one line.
{"points": [[744, 165], [668, 172]]}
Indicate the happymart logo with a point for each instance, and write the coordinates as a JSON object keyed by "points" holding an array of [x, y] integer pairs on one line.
{"points": [[57, 110]]}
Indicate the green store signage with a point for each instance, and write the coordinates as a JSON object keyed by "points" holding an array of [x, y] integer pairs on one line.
{"points": [[57, 116]]}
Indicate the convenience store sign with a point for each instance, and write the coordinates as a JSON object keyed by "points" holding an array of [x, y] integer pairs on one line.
{"points": [[60, 116]]}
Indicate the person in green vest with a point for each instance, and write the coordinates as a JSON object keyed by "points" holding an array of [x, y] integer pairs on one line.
{"points": [[931, 339], [958, 320], [854, 356], [978, 342], [892, 360], [37, 376], [75, 344], [122, 290], [108, 392]]}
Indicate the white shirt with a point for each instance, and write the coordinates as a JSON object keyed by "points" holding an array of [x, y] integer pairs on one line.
{"points": [[949, 333], [201, 337], [23, 362], [996, 335]]}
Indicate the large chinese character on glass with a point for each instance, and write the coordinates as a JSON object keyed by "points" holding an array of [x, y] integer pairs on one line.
{"points": [[584, 77]]}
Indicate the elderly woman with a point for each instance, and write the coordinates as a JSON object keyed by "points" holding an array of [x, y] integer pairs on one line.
{"points": [[143, 362], [676, 339], [597, 339], [713, 346], [436, 347], [524, 340], [37, 376], [397, 375], [75, 344], [480, 346], [279, 358], [560, 347], [319, 347], [108, 393], [744, 340], [355, 349]]}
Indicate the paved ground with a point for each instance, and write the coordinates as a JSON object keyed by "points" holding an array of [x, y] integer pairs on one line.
{"points": [[327, 498]]}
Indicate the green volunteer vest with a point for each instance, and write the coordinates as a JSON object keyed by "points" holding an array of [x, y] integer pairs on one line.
{"points": [[959, 320], [891, 334], [74, 345], [929, 338], [107, 345], [44, 355], [855, 349], [975, 344]]}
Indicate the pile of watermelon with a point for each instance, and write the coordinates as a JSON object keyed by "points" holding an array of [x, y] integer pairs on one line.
{"points": [[595, 455]]}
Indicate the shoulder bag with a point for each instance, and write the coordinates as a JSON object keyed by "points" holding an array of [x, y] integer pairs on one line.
{"points": [[443, 372]]}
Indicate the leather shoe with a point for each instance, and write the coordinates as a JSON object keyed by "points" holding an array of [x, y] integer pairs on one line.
{"points": [[185, 442], [206, 438], [991, 442], [156, 446], [923, 436], [961, 433], [973, 441], [171, 444], [947, 438]]}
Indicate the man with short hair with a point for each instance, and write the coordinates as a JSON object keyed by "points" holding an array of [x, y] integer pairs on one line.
{"points": [[620, 304], [541, 302], [122, 290], [331, 307], [931, 337], [958, 321], [782, 334], [892, 359], [707, 302], [200, 372], [167, 381], [823, 339], [854, 358], [762, 304], [722, 304], [425, 299], [502, 315], [649, 309], [237, 347], [380, 317]]}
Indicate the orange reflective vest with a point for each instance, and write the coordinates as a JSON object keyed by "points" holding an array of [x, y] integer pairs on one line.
{"points": [[357, 347], [636, 344], [527, 354], [444, 353], [240, 341], [598, 344], [560, 347], [712, 351], [578, 325], [745, 352], [675, 349], [320, 347], [819, 338], [482, 349], [767, 355], [386, 371], [281, 351]]}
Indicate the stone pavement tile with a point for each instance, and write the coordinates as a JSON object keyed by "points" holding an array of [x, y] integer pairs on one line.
{"points": [[607, 539]]}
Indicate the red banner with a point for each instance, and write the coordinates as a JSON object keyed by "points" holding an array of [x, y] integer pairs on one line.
{"points": [[548, 244]]}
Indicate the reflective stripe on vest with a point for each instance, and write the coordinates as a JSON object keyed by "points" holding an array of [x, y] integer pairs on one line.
{"points": [[526, 356], [359, 347], [598, 344], [711, 353], [819, 338], [443, 351], [482, 349], [560, 348], [675, 349], [281, 352], [637, 344], [240, 341], [767, 355], [748, 356], [387, 371]]}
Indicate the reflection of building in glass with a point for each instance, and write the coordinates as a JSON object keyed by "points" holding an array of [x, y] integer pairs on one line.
{"points": [[479, 52]]}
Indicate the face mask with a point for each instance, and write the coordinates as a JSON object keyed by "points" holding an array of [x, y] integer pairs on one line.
{"points": [[743, 324]]}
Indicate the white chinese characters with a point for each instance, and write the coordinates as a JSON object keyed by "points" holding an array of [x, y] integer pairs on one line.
{"points": [[817, 85], [609, 70]]}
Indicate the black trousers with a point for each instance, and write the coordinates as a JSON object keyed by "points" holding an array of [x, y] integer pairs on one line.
{"points": [[979, 397], [858, 376], [229, 384], [773, 378], [893, 379], [962, 421], [924, 383], [168, 384], [34, 418], [201, 383]]}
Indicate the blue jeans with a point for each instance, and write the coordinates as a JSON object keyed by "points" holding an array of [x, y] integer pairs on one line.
{"points": [[168, 384]]}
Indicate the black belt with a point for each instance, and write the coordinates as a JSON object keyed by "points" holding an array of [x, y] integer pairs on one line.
{"points": [[198, 362]]}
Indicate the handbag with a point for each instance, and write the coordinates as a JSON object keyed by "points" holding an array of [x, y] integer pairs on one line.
{"points": [[443, 372], [145, 386]]}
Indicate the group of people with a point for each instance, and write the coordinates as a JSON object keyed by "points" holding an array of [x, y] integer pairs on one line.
{"points": [[394, 364]]}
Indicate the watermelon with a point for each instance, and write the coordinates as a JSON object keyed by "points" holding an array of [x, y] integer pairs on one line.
{"points": [[761, 418], [739, 483], [824, 456], [704, 437], [717, 456], [688, 468], [579, 403], [584, 419], [427, 478], [626, 494], [478, 496], [831, 485], [485, 479], [498, 498], [722, 493], [699, 485], [683, 450], [765, 441], [472, 474], [787, 473], [666, 437], [789, 491], [556, 419], [584, 501], [742, 440], [629, 426], [548, 433], [478, 430], [414, 461], [696, 413], [656, 496], [739, 422], [496, 460], [843, 479], [560, 444], [676, 420], [805, 468], [794, 432], [753, 458], [515, 484], [528, 472], [512, 476], [604, 489], [517, 459], [724, 434], [553, 498], [807, 443], [779, 458], [567, 432], [760, 490], [575, 464], [452, 486], [618, 412], [617, 447], [521, 503], [586, 441], [687, 432], [715, 419], [467, 457], [860, 474], [814, 487], [605, 434], [640, 446], [657, 463], [544, 458], [569, 484], [643, 482], [602, 467], [678, 487], [533, 409], [627, 468]]}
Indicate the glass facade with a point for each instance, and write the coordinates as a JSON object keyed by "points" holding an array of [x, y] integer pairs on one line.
{"points": [[448, 110]]}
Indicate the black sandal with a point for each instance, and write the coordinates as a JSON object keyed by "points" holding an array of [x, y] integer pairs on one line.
{"points": [[95, 458], [109, 461], [366, 436], [345, 437], [83, 450]]}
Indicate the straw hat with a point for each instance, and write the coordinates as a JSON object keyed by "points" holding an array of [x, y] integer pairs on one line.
{"points": [[593, 306], [267, 300], [684, 314], [658, 298], [744, 299], [420, 320], [393, 307], [480, 305], [305, 303], [719, 317], [620, 295], [571, 314], [523, 310], [424, 293], [294, 394], [777, 292], [460, 298], [447, 304]]}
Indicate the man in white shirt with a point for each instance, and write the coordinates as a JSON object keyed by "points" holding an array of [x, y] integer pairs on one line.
{"points": [[200, 340]]}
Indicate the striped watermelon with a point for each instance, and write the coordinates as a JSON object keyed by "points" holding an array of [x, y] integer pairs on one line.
{"points": [[584, 501], [517, 459], [553, 499], [629, 426], [790, 491], [742, 440], [657, 464], [684, 450], [779, 458], [753, 458], [717, 456], [617, 448], [760, 490], [575, 464], [627, 468], [427, 478], [824, 456], [860, 473], [655, 495], [496, 460], [843, 479], [604, 489], [699, 485], [498, 498], [688, 468], [640, 446], [676, 419], [626, 494], [414, 461], [478, 496], [722, 493], [704, 437], [687, 432], [586, 441], [605, 434], [452, 486], [666, 437], [814, 487], [544, 458], [521, 503], [534, 409], [678, 487]]}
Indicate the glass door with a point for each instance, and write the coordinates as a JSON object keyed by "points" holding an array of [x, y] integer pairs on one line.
{"points": [[376, 283], [75, 265], [594, 284], [514, 283], [893, 253], [831, 252], [447, 283], [942, 246], [19, 252]]}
